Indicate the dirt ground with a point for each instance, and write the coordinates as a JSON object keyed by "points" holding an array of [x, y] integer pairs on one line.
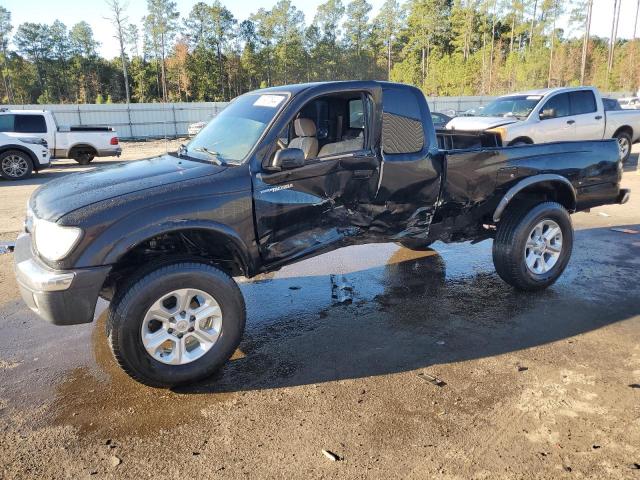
{"points": [[531, 386]]}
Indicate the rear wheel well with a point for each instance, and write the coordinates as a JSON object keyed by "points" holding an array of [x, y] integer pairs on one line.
{"points": [[198, 245], [626, 129], [526, 140], [29, 153], [547, 191], [79, 149]]}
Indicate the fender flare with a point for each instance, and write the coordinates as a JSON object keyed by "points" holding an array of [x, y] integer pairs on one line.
{"points": [[236, 244], [32, 156], [81, 145], [527, 182]]}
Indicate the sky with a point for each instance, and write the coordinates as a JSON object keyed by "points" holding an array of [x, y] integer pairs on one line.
{"points": [[94, 11]]}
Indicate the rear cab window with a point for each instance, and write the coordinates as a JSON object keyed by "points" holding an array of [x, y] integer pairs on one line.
{"points": [[356, 113], [402, 128]]}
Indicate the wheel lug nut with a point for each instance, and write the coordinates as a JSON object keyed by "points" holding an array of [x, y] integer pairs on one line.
{"points": [[191, 329], [180, 335], [170, 330], [183, 313], [192, 318]]}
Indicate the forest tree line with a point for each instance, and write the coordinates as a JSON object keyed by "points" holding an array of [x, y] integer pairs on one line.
{"points": [[445, 47]]}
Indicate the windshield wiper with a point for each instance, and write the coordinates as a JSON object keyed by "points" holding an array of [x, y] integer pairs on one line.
{"points": [[215, 156]]}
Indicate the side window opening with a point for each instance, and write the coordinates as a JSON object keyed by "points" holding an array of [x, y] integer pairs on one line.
{"points": [[7, 123], [559, 104], [30, 124], [328, 126], [582, 102], [402, 128]]}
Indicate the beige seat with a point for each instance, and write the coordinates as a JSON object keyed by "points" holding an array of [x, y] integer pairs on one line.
{"points": [[306, 139], [349, 145]]}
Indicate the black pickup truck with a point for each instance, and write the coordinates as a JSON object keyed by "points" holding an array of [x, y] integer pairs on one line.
{"points": [[280, 175]]}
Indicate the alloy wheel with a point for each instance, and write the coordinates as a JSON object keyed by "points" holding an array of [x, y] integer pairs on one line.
{"points": [[543, 248], [14, 166], [181, 326]]}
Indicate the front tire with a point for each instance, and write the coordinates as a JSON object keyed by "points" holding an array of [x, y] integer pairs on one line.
{"points": [[15, 165], [624, 145], [176, 324], [533, 245]]}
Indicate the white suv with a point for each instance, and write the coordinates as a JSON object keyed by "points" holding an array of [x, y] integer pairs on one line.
{"points": [[19, 157]]}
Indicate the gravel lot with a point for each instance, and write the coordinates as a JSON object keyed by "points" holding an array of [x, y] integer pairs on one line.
{"points": [[532, 386]]}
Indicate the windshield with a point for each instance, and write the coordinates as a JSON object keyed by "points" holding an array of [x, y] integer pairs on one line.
{"points": [[519, 106], [231, 135]]}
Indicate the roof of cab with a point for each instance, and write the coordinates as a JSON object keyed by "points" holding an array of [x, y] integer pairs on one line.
{"points": [[547, 91], [299, 87]]}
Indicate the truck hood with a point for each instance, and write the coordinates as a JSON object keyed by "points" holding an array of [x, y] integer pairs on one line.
{"points": [[478, 124], [64, 195]]}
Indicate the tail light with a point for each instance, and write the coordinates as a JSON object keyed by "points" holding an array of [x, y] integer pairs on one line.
{"points": [[114, 141]]}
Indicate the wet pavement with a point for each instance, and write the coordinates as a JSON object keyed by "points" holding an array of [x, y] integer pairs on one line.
{"points": [[335, 356]]}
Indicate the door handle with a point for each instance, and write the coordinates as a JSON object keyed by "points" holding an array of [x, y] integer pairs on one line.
{"points": [[570, 122], [598, 117]]}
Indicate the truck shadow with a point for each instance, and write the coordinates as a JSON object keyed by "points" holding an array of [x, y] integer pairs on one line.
{"points": [[409, 314]]}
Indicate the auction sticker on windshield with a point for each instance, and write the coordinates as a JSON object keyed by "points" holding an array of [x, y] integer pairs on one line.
{"points": [[269, 101]]}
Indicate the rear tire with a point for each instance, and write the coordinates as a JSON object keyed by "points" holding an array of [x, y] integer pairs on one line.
{"points": [[15, 165], [624, 145], [84, 158], [134, 307], [533, 245]]}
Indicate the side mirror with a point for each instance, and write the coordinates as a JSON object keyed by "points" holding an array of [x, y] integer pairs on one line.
{"points": [[286, 159], [548, 113]]}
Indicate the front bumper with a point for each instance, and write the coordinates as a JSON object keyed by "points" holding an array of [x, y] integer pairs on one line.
{"points": [[61, 297]]}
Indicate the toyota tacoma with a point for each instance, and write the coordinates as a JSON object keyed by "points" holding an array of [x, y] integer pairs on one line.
{"points": [[280, 175]]}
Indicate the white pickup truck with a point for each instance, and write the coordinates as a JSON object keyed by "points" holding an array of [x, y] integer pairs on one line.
{"points": [[554, 115], [82, 143]]}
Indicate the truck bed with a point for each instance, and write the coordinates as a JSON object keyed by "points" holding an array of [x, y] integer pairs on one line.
{"points": [[454, 140], [477, 178]]}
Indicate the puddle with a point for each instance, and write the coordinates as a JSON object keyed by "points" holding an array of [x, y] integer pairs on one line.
{"points": [[105, 400]]}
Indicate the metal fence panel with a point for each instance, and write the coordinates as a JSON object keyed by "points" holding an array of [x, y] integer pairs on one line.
{"points": [[159, 120], [138, 120]]}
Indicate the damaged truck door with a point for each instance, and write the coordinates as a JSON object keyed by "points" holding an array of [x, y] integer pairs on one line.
{"points": [[323, 200]]}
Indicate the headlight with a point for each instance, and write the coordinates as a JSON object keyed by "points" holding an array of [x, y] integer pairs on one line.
{"points": [[53, 241], [34, 140], [501, 131]]}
